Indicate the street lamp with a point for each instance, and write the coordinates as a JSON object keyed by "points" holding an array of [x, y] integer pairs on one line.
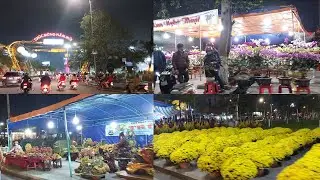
{"points": [[79, 128], [50, 125], [261, 100], [75, 120]]}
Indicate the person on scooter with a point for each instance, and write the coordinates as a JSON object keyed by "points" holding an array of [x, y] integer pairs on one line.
{"points": [[212, 64], [61, 79], [26, 79], [74, 78], [180, 62], [45, 80]]}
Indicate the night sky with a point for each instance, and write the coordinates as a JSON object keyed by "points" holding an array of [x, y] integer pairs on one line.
{"points": [[24, 19], [21, 104]]}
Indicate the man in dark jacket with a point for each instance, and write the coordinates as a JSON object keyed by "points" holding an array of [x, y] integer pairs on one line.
{"points": [[180, 62], [212, 64], [159, 61]]}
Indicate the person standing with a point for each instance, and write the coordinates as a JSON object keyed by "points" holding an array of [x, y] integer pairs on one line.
{"points": [[212, 64], [180, 62]]}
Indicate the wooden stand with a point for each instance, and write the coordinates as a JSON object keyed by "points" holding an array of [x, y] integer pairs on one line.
{"points": [[57, 163]]}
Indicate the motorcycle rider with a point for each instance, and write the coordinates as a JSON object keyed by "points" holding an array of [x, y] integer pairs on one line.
{"points": [[26, 79], [74, 78], [45, 80], [61, 79]]}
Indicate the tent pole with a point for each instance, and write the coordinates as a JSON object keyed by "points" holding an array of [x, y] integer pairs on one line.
{"points": [[68, 139], [175, 41], [8, 120], [200, 38]]}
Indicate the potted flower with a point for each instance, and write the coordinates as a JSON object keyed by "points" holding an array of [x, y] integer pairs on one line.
{"points": [[211, 163], [74, 152], [184, 155]]}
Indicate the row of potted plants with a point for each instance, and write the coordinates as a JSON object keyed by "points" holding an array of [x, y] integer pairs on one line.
{"points": [[233, 153], [290, 61], [305, 168], [189, 126]]}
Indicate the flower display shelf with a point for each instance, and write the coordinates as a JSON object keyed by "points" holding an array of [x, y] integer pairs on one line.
{"points": [[302, 82], [264, 81], [57, 163], [285, 81]]}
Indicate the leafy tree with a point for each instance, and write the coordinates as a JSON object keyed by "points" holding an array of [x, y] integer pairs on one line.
{"points": [[5, 60], [109, 38]]}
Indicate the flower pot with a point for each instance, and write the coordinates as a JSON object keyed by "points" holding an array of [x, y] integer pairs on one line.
{"points": [[266, 81], [184, 165], [214, 175], [168, 162], [262, 172], [285, 81], [276, 164], [302, 82], [287, 158]]}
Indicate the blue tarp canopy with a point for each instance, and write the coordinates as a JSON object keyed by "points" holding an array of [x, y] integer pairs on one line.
{"points": [[164, 110], [94, 113]]}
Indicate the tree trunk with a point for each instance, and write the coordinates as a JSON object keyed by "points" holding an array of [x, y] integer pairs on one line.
{"points": [[225, 38]]}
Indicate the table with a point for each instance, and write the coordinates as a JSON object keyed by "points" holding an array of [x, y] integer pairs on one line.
{"points": [[28, 162], [21, 162]]}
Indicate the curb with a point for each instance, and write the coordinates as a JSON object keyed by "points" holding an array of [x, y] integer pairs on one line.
{"points": [[14, 173]]}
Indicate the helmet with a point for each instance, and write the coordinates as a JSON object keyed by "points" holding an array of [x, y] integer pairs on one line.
{"points": [[26, 74]]}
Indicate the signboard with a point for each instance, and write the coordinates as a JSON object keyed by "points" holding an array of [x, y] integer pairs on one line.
{"points": [[53, 41], [46, 63], [61, 35], [58, 50], [139, 128], [204, 18]]}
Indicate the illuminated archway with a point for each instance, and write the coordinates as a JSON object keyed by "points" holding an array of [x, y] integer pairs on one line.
{"points": [[59, 39], [45, 35]]}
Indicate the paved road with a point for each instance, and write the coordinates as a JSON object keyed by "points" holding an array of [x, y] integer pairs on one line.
{"points": [[7, 177], [82, 89]]}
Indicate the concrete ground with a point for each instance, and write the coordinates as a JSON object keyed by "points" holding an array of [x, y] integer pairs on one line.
{"points": [[7, 177], [55, 173], [198, 85], [172, 173]]}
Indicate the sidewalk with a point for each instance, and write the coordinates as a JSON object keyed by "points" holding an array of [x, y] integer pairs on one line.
{"points": [[55, 173], [199, 86]]}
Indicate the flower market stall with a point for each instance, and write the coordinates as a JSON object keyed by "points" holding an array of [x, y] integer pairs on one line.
{"points": [[115, 133], [272, 27]]}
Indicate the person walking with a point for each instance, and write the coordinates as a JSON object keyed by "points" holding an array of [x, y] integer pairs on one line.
{"points": [[212, 64], [180, 62]]}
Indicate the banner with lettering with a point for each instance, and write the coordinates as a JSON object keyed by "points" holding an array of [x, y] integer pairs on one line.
{"points": [[204, 18], [139, 128]]}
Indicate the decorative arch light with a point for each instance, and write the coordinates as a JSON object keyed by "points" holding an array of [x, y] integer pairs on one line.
{"points": [[45, 35]]}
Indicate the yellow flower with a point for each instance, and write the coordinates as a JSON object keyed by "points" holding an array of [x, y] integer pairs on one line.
{"points": [[307, 167], [212, 162], [238, 169]]}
